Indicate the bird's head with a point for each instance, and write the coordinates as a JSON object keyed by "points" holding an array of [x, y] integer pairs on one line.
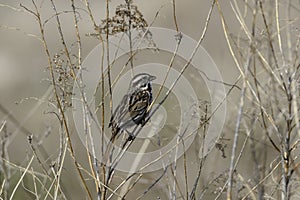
{"points": [[141, 82]]}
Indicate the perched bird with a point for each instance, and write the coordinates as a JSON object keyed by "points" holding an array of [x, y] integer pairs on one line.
{"points": [[133, 108]]}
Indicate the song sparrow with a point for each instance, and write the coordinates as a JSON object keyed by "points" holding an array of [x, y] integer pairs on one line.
{"points": [[133, 108]]}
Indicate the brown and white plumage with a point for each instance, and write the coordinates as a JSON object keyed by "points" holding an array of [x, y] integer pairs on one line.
{"points": [[133, 107]]}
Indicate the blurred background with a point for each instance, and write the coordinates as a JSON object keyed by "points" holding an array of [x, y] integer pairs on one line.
{"points": [[25, 80]]}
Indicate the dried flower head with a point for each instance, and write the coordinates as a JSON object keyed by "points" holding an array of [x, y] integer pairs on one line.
{"points": [[64, 79], [127, 17]]}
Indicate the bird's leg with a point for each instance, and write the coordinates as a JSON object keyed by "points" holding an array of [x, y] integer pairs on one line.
{"points": [[145, 120], [130, 136]]}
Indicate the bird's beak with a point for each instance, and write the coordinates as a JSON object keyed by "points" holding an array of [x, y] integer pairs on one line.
{"points": [[152, 78]]}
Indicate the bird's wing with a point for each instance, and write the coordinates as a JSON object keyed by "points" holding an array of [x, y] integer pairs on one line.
{"points": [[131, 110], [138, 106]]}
